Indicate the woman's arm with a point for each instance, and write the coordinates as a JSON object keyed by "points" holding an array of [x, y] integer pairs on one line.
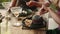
{"points": [[34, 3], [54, 15], [13, 3]]}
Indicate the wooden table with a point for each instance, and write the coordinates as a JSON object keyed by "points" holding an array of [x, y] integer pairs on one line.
{"points": [[17, 30]]}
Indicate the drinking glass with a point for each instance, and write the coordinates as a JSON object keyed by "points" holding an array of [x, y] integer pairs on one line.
{"points": [[16, 11], [6, 6]]}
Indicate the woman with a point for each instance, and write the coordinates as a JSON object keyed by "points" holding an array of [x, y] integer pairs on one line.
{"points": [[39, 5], [54, 14]]}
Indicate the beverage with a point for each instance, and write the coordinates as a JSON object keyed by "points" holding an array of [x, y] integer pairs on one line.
{"points": [[16, 11], [16, 14], [6, 5]]}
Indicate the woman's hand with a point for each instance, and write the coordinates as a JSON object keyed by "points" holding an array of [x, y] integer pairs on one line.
{"points": [[34, 3], [43, 10], [31, 3]]}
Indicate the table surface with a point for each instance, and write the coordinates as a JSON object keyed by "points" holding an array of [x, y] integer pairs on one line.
{"points": [[16, 30]]}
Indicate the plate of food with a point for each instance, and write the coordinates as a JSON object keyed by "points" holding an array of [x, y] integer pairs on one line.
{"points": [[34, 22]]}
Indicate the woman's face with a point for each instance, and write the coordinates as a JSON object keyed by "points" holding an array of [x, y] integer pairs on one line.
{"points": [[56, 2], [59, 3]]}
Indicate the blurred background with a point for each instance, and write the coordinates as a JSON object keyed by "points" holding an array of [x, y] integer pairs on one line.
{"points": [[1, 7]]}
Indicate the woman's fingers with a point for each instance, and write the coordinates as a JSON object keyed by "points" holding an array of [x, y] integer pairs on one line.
{"points": [[31, 3], [43, 10]]}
